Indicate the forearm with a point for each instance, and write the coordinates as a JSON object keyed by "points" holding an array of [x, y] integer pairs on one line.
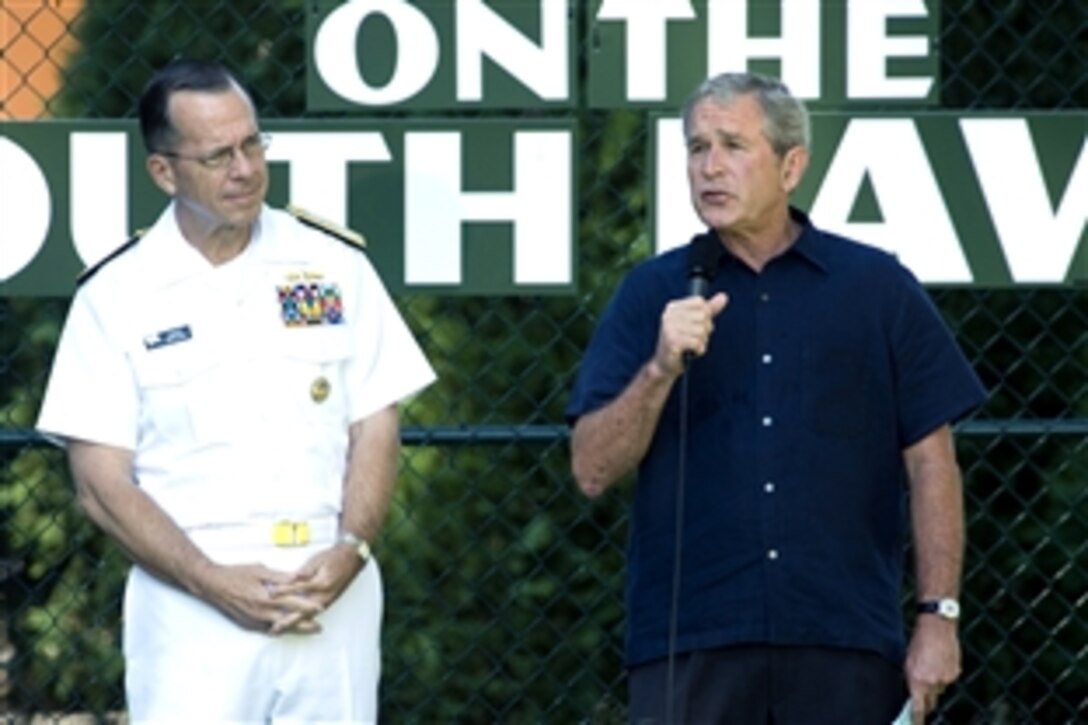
{"points": [[937, 519], [371, 473], [609, 442], [936, 515], [938, 545], [113, 501], [245, 593], [936, 496]]}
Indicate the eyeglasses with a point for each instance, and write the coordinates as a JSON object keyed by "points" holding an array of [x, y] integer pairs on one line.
{"points": [[252, 147]]}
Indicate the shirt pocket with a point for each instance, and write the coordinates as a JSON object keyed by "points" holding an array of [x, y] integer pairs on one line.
{"points": [[312, 365], [169, 380], [836, 390]]}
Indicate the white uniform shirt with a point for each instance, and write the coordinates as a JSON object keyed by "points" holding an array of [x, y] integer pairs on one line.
{"points": [[236, 408]]}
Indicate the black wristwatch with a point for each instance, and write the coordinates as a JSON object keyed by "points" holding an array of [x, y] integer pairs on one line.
{"points": [[946, 608]]}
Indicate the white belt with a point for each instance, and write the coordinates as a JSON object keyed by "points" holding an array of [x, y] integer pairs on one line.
{"points": [[279, 532]]}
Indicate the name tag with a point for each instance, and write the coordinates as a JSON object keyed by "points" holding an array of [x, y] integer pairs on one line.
{"points": [[168, 337]]}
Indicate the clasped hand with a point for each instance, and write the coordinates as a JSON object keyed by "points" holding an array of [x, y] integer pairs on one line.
{"points": [[278, 602]]}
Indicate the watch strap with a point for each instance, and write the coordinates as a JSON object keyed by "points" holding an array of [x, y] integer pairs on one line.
{"points": [[361, 547], [946, 608]]}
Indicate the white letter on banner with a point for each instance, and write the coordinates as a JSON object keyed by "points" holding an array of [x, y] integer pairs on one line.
{"points": [[25, 208], [317, 166], [481, 31], [539, 208], [417, 51], [916, 224], [99, 198], [647, 55], [675, 217], [869, 48], [1039, 244], [729, 48]]}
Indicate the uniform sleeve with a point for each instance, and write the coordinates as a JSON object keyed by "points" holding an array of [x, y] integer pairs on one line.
{"points": [[91, 394], [387, 364], [935, 383]]}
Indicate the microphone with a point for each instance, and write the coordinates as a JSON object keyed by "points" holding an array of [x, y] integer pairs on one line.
{"points": [[704, 254], [703, 257]]}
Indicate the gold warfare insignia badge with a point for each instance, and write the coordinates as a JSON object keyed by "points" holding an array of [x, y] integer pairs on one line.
{"points": [[319, 390]]}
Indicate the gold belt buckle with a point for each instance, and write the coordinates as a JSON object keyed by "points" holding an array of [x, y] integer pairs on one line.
{"points": [[291, 533]]}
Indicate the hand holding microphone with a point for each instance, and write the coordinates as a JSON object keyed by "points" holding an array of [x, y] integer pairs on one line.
{"points": [[686, 323]]}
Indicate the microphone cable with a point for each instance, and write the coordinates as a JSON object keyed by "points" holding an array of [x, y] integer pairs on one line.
{"points": [[704, 255], [674, 607]]}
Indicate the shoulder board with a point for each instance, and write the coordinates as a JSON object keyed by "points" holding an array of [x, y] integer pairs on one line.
{"points": [[349, 236], [93, 269]]}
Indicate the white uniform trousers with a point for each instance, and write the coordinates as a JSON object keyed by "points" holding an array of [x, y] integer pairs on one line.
{"points": [[187, 662]]}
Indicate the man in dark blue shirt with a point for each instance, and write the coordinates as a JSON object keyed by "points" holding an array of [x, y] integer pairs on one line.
{"points": [[820, 391]]}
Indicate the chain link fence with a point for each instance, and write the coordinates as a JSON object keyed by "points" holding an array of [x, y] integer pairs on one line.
{"points": [[503, 584]]}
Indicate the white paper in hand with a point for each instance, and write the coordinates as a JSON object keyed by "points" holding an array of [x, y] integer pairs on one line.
{"points": [[903, 718]]}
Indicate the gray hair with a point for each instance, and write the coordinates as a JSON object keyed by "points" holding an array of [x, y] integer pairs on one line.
{"points": [[786, 121]]}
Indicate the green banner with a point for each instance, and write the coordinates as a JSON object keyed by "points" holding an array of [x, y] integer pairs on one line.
{"points": [[963, 199], [436, 54], [832, 53], [449, 207], [489, 206]]}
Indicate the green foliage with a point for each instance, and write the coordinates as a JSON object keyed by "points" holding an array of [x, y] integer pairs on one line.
{"points": [[122, 43], [1024, 579], [502, 591], [63, 577]]}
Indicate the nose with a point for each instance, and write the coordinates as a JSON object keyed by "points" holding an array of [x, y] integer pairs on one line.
{"points": [[713, 161], [243, 164]]}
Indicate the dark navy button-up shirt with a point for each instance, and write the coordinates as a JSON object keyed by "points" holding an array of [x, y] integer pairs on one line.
{"points": [[820, 371]]}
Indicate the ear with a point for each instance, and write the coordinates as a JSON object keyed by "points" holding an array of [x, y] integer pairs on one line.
{"points": [[162, 173], [793, 167]]}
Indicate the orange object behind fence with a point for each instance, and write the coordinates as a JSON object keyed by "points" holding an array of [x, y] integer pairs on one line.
{"points": [[35, 41]]}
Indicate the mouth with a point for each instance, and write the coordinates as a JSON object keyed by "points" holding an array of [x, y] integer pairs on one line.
{"points": [[714, 196], [241, 197]]}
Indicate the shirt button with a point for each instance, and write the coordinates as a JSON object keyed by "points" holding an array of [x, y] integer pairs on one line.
{"points": [[764, 296], [766, 359], [772, 554], [768, 487], [767, 421]]}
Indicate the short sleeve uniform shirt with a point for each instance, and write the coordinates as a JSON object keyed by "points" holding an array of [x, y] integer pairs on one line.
{"points": [[234, 385]]}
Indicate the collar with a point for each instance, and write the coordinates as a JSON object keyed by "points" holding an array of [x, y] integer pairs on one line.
{"points": [[278, 239], [809, 245], [172, 259]]}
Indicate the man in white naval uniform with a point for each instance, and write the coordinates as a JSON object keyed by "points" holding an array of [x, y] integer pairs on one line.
{"points": [[227, 386]]}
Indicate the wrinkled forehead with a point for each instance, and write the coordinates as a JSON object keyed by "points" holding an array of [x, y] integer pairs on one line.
{"points": [[736, 114], [222, 116]]}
